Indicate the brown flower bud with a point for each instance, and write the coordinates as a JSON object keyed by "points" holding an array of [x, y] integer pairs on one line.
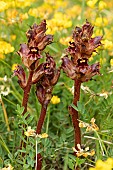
{"points": [[86, 72], [38, 73], [29, 56], [19, 72], [37, 41], [83, 45], [68, 67], [47, 81], [45, 41]]}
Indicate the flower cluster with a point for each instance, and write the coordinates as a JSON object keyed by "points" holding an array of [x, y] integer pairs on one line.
{"points": [[32, 132], [47, 81], [5, 48], [81, 49], [103, 165], [83, 152], [45, 75], [37, 41], [90, 127]]}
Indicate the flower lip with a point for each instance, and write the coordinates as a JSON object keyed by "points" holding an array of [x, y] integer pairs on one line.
{"points": [[82, 62]]}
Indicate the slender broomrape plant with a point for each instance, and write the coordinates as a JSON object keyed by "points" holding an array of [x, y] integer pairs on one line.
{"points": [[44, 75], [78, 69]]}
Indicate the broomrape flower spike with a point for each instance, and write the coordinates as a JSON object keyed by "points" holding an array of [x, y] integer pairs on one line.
{"points": [[78, 69], [37, 41], [81, 50], [47, 81]]}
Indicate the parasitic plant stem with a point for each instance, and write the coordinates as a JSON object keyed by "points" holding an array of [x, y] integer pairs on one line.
{"points": [[41, 118], [27, 91], [38, 131], [25, 101], [74, 113]]}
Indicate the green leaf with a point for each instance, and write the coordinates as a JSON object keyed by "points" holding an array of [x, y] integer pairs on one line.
{"points": [[20, 109], [74, 107], [71, 164]]}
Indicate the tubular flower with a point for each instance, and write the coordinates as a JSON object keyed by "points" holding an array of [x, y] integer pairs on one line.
{"points": [[81, 50], [20, 73], [47, 81], [37, 41]]}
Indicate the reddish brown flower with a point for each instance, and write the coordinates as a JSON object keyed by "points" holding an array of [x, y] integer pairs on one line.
{"points": [[82, 71], [37, 41], [19, 72], [37, 37], [80, 50], [83, 45], [47, 81]]}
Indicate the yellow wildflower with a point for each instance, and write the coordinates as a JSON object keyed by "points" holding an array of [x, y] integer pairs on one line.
{"points": [[108, 33], [13, 37], [23, 16], [9, 167], [108, 45], [3, 6], [60, 4], [44, 135], [102, 61], [103, 165], [55, 100], [42, 11], [2, 56], [73, 11], [83, 152], [5, 47], [111, 62], [91, 3], [100, 22], [89, 127], [14, 67], [12, 15], [30, 132], [59, 22], [102, 5], [33, 12], [20, 3], [65, 40]]}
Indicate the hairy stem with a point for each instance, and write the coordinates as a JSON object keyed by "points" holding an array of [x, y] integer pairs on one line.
{"points": [[25, 101], [41, 119], [27, 91], [38, 131], [74, 113]]}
